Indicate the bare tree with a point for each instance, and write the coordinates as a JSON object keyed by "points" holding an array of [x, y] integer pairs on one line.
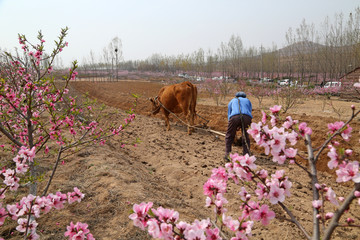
{"points": [[235, 53]]}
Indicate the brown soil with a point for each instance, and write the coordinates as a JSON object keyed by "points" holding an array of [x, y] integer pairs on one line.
{"points": [[169, 168]]}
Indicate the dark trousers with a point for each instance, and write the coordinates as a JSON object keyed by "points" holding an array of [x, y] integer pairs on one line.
{"points": [[235, 123]]}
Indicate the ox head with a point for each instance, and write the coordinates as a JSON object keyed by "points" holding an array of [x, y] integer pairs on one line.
{"points": [[155, 105]]}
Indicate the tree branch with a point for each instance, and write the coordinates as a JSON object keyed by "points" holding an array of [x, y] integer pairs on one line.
{"points": [[53, 172], [9, 136], [333, 135], [335, 220], [314, 180]]}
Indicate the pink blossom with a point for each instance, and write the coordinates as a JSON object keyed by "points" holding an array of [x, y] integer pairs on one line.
{"points": [[333, 163], [219, 173], [317, 204], [23, 222], [248, 161], [3, 215], [58, 200], [278, 158], [247, 226], [242, 173], [44, 203], [263, 119], [208, 202], [12, 211], [140, 212], [278, 143], [275, 109], [229, 222], [75, 196], [346, 134], [350, 220], [333, 127], [286, 185], [289, 122], [27, 154], [279, 174], [166, 215], [276, 194], [304, 129], [244, 195], [348, 152], [33, 236], [214, 186], [329, 215], [182, 226], [273, 120], [197, 229], [213, 234], [348, 171], [70, 231], [46, 149], [220, 200], [263, 214], [292, 137], [254, 131], [263, 174], [357, 194], [331, 196], [153, 228], [261, 191], [166, 230], [78, 231], [72, 131], [290, 152], [239, 236]]}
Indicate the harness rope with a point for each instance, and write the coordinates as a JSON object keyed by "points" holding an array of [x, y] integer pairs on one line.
{"points": [[207, 130], [207, 121], [156, 98]]}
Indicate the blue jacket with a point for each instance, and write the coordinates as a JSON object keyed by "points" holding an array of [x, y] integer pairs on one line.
{"points": [[233, 107]]}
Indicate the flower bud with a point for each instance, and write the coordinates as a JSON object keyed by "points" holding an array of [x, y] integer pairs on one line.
{"points": [[329, 215], [350, 220], [357, 194]]}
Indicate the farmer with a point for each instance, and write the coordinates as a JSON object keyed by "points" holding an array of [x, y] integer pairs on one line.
{"points": [[239, 117]]}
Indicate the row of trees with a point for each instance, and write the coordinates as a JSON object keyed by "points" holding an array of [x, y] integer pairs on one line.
{"points": [[311, 55]]}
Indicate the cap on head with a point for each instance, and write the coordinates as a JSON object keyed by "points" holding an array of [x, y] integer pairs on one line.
{"points": [[240, 94]]}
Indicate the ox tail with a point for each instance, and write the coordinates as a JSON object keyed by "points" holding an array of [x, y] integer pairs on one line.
{"points": [[193, 104]]}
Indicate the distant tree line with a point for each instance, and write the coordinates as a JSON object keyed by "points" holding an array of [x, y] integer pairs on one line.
{"points": [[312, 55]]}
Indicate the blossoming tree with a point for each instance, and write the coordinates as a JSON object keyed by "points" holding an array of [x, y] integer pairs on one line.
{"points": [[261, 189], [36, 115]]}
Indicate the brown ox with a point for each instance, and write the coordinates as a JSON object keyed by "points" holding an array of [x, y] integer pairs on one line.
{"points": [[177, 98]]}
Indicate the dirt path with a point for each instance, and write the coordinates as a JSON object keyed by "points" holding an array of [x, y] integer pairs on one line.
{"points": [[167, 168]]}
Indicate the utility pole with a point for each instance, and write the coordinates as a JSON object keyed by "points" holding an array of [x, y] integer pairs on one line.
{"points": [[261, 64], [116, 55], [112, 69]]}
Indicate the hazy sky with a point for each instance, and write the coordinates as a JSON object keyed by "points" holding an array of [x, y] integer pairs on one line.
{"points": [[168, 27]]}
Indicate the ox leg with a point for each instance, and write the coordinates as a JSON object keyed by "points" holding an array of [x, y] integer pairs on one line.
{"points": [[189, 121], [167, 123], [192, 121]]}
